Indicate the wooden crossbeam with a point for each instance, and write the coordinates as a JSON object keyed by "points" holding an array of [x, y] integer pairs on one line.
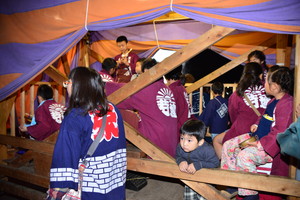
{"points": [[39, 146], [227, 67], [28, 177], [156, 153], [273, 184], [196, 46], [56, 75]]}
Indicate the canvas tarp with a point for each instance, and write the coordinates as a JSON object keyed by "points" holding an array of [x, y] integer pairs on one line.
{"points": [[36, 33]]}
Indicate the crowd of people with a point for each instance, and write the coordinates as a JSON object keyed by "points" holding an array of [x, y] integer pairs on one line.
{"points": [[259, 109]]}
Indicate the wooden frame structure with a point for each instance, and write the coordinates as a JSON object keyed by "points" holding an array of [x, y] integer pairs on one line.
{"points": [[162, 164]]}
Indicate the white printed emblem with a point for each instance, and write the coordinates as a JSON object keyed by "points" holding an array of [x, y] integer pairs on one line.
{"points": [[106, 78], [257, 97], [166, 102], [57, 112], [222, 110]]}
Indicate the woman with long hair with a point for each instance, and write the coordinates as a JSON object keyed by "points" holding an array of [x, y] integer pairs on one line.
{"points": [[242, 116]]}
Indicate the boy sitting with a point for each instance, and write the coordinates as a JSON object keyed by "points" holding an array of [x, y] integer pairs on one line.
{"points": [[194, 153], [47, 117]]}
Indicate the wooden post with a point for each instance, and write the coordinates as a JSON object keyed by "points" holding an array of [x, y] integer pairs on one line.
{"points": [[281, 45], [13, 120], [31, 92], [22, 106]]}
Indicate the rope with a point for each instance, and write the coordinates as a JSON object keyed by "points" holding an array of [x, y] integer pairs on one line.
{"points": [[86, 14], [171, 5]]}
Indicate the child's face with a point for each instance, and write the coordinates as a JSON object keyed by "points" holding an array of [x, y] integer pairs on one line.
{"points": [[270, 87], [189, 142], [254, 59], [122, 46]]}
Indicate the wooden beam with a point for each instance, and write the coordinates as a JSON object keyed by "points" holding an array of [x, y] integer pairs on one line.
{"points": [[21, 191], [201, 43], [24, 176], [225, 68], [154, 152], [96, 56], [66, 65], [281, 45], [39, 146], [56, 75], [273, 184]]}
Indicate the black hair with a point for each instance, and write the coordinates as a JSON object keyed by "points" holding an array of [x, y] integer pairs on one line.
{"points": [[122, 38], [283, 77], [217, 88], [195, 128], [109, 63], [45, 91], [148, 64], [257, 54], [176, 74], [87, 91], [250, 77]]}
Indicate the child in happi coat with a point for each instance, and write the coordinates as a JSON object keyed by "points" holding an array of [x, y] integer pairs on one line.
{"points": [[175, 81], [194, 153], [215, 115], [47, 117], [276, 119], [109, 66]]}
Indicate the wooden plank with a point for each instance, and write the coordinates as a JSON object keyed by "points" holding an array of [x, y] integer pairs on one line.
{"points": [[273, 184], [225, 68], [154, 152], [56, 75], [96, 56], [24, 176], [39, 146], [201, 43], [5, 108], [281, 45], [42, 163], [21, 191]]}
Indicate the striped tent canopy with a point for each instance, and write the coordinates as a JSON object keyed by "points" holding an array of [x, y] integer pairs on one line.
{"points": [[35, 33]]}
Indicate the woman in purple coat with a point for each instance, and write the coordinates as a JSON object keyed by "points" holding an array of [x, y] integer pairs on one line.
{"points": [[183, 106], [157, 109]]}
